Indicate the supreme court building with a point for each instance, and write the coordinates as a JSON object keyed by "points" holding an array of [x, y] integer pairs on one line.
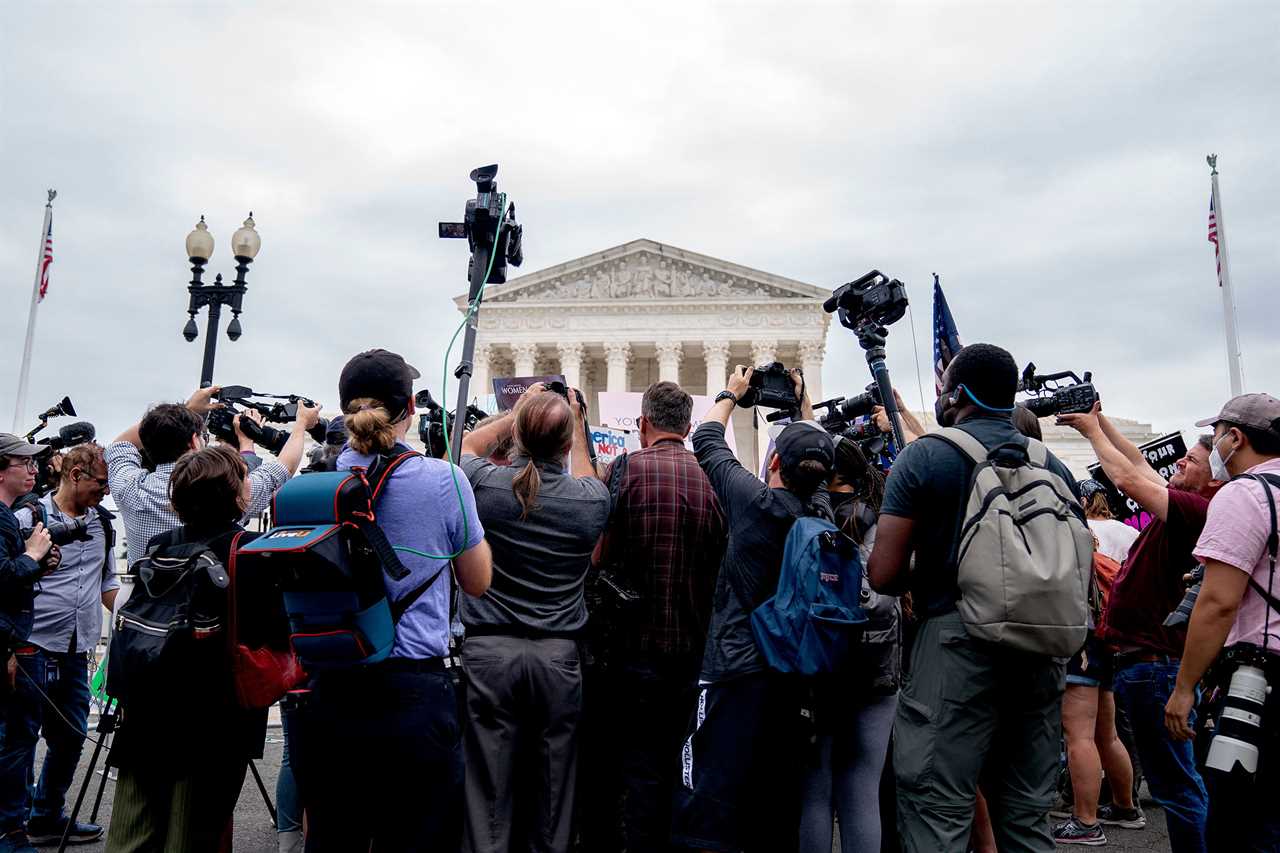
{"points": [[624, 318]]}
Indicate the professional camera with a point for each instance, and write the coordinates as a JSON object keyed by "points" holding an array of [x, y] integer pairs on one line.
{"points": [[1239, 732], [772, 387], [434, 421], [1181, 614], [873, 300], [236, 399], [68, 436], [563, 390], [847, 417], [489, 220], [63, 532], [1050, 397]]}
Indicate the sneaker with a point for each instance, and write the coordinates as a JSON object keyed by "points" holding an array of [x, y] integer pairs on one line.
{"points": [[1113, 815], [1073, 831], [16, 842], [46, 831]]}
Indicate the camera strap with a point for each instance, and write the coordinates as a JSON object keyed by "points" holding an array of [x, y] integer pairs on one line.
{"points": [[1273, 546]]}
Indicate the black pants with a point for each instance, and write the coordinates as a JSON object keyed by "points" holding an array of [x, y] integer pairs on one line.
{"points": [[377, 754]]}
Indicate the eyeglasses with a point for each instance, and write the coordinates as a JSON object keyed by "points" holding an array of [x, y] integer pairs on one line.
{"points": [[28, 463]]}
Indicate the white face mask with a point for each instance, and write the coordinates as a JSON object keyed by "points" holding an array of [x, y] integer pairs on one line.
{"points": [[1218, 465]]}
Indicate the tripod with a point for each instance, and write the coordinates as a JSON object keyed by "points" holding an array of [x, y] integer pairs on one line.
{"points": [[871, 337]]}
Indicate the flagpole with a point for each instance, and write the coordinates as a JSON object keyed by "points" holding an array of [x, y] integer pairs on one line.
{"points": [[31, 318], [1224, 280]]}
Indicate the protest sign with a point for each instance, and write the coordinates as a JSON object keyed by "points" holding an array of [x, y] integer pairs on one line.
{"points": [[1163, 453], [507, 391], [621, 410], [610, 443]]}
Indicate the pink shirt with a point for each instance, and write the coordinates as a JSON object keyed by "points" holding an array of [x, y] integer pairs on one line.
{"points": [[1236, 534]]}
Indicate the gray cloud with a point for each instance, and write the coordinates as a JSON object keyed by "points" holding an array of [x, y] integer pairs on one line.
{"points": [[1046, 160]]}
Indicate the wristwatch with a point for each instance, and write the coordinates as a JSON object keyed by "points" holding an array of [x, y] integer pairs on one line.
{"points": [[727, 395]]}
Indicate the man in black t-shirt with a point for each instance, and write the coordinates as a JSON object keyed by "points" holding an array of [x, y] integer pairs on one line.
{"points": [[967, 708]]}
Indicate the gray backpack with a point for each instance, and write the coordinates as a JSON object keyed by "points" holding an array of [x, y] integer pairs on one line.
{"points": [[1024, 559]]}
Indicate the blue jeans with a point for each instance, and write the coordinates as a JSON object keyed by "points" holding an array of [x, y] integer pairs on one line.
{"points": [[1142, 690], [288, 809], [65, 679]]}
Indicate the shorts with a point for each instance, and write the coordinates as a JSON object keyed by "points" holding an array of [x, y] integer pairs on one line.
{"points": [[740, 767], [1092, 666]]}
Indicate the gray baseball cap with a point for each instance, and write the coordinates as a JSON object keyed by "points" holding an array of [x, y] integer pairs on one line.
{"points": [[11, 445], [1260, 411]]}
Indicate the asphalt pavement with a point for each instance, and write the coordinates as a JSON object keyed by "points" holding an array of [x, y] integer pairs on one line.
{"points": [[255, 834]]}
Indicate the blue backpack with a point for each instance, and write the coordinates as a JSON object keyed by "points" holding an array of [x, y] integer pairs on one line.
{"points": [[812, 624], [328, 557]]}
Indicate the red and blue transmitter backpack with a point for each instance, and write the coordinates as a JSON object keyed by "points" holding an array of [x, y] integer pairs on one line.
{"points": [[328, 556]]}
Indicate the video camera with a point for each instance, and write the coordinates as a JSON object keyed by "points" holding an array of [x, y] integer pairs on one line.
{"points": [[434, 420], [69, 435], [772, 387], [486, 222], [873, 300], [1049, 397], [236, 399], [848, 417]]}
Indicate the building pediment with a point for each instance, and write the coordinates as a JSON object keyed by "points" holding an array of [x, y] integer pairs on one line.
{"points": [[648, 271]]}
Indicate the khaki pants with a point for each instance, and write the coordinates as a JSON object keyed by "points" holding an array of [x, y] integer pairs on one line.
{"points": [[971, 710]]}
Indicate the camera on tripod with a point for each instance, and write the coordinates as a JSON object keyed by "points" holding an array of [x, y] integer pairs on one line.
{"points": [[489, 220], [1051, 397], [236, 399], [771, 387], [873, 300]]}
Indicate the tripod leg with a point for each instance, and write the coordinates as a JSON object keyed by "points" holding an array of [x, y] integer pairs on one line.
{"points": [[102, 785], [266, 798], [84, 789]]}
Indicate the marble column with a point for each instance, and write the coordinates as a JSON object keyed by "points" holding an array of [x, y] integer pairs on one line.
{"points": [[811, 353], [571, 363], [716, 354], [670, 354], [481, 371], [617, 354], [763, 352], [524, 354]]}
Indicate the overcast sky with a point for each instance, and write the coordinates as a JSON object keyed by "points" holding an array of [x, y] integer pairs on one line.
{"points": [[1047, 161]]}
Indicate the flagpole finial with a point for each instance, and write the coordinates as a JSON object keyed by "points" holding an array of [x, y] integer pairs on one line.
{"points": [[935, 279], [52, 195], [1212, 159]]}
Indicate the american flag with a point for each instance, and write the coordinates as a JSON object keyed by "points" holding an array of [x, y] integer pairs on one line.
{"points": [[46, 262], [946, 340], [1213, 237]]}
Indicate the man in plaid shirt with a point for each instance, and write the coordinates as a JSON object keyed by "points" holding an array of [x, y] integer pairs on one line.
{"points": [[665, 540], [167, 432]]}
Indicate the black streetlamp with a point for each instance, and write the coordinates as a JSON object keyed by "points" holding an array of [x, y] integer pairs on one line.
{"points": [[245, 244]]}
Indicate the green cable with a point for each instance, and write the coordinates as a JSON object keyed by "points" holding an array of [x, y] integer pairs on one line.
{"points": [[444, 395]]}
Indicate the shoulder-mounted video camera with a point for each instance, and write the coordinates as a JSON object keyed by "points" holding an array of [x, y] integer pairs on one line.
{"points": [[488, 220], [237, 399], [1050, 397], [434, 421], [848, 417], [69, 435]]}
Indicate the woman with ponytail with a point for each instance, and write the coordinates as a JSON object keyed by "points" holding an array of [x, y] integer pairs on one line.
{"points": [[377, 749], [542, 518]]}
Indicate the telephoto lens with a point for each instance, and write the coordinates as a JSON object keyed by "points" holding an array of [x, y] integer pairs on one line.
{"points": [[1235, 746]]}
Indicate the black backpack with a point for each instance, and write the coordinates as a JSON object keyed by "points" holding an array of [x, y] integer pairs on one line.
{"points": [[174, 618]]}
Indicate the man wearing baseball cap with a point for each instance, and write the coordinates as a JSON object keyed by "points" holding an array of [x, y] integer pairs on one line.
{"points": [[19, 570], [739, 776], [1239, 603]]}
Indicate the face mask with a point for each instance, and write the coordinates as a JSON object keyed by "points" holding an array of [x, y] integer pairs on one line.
{"points": [[1218, 465], [941, 410]]}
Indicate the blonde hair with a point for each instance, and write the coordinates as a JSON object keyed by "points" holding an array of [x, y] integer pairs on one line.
{"points": [[369, 426], [1097, 506]]}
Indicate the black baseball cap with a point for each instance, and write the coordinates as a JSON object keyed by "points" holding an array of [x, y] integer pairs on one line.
{"points": [[381, 375], [804, 440], [1088, 488]]}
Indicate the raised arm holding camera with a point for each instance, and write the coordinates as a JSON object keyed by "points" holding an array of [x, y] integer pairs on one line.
{"points": [[1148, 588], [167, 432]]}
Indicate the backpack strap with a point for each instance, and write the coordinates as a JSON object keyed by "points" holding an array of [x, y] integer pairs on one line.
{"points": [[105, 517], [1273, 541], [233, 624], [962, 441]]}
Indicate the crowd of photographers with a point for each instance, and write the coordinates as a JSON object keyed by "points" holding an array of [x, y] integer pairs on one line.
{"points": [[616, 688]]}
